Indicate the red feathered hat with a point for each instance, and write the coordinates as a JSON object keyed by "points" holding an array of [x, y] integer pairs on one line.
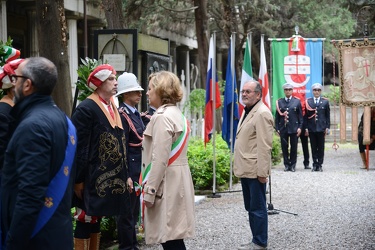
{"points": [[7, 70], [99, 75]]}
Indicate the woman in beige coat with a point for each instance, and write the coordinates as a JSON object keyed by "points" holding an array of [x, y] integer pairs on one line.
{"points": [[168, 187]]}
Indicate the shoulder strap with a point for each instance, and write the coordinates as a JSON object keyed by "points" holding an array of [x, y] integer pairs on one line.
{"points": [[57, 187], [132, 128]]}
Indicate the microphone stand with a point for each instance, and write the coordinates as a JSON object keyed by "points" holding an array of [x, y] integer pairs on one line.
{"points": [[270, 208]]}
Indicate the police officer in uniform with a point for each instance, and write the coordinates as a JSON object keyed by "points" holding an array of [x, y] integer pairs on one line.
{"points": [[305, 140], [317, 118], [131, 93], [288, 121]]}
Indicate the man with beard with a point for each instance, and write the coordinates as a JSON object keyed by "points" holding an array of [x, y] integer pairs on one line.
{"points": [[252, 161], [36, 179]]}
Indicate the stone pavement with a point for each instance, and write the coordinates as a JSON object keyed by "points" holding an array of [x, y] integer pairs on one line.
{"points": [[334, 208]]}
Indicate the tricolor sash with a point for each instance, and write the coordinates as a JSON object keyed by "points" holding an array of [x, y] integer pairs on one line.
{"points": [[57, 187], [176, 150]]}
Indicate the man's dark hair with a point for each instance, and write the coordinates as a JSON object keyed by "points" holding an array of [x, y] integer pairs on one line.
{"points": [[43, 74]]}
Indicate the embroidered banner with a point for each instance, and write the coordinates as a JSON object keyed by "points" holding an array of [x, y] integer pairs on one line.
{"points": [[357, 71]]}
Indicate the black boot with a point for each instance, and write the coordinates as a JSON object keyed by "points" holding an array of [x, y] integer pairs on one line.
{"points": [[314, 168], [307, 167], [293, 168]]}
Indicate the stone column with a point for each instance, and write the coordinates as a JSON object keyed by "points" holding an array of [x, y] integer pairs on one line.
{"points": [[33, 34], [73, 52], [3, 21]]}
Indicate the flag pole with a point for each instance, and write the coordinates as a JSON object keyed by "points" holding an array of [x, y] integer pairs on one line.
{"points": [[213, 92], [232, 68]]}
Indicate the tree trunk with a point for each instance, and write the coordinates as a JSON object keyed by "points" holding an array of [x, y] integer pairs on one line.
{"points": [[114, 14], [53, 41], [201, 30]]}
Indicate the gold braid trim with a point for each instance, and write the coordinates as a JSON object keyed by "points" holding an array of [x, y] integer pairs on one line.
{"points": [[114, 122]]}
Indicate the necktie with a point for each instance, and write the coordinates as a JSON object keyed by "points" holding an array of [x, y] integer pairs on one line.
{"points": [[316, 101], [111, 111], [287, 100], [137, 114]]}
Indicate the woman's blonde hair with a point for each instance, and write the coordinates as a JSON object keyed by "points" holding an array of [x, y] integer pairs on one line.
{"points": [[167, 86]]}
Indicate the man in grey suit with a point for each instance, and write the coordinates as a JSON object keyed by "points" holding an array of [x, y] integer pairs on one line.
{"points": [[252, 161], [288, 121]]}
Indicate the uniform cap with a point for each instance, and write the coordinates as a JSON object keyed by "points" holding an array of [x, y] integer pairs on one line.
{"points": [[99, 75], [316, 86], [287, 86], [127, 82], [7, 70]]}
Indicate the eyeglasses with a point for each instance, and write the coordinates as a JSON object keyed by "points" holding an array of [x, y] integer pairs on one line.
{"points": [[13, 78], [247, 91], [317, 90], [288, 89]]}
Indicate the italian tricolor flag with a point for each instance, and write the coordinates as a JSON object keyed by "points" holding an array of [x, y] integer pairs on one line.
{"points": [[247, 71]]}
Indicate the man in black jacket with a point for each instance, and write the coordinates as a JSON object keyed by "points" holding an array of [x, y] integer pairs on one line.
{"points": [[37, 176], [102, 184], [288, 121], [317, 118]]}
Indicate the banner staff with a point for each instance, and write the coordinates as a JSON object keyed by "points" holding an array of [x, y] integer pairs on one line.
{"points": [[213, 89], [234, 86]]}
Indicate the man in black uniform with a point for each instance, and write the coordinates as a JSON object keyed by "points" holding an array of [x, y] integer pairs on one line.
{"points": [[131, 93], [288, 121], [305, 140], [317, 118]]}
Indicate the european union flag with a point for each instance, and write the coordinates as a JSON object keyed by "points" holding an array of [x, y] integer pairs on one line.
{"points": [[230, 109]]}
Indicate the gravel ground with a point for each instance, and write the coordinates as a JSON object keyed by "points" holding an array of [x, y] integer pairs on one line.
{"points": [[334, 208]]}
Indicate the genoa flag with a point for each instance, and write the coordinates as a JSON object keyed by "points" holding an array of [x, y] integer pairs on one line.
{"points": [[297, 61]]}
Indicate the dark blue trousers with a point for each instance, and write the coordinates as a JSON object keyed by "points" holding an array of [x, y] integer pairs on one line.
{"points": [[254, 196]]}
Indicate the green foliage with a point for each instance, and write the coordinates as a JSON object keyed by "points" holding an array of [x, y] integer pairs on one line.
{"points": [[83, 71], [333, 95], [276, 150], [2, 55], [197, 98], [201, 162], [196, 101], [3, 51], [107, 226]]}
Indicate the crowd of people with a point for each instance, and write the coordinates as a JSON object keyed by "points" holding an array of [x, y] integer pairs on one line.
{"points": [[112, 160], [106, 160]]}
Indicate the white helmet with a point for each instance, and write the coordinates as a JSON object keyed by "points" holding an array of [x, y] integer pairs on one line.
{"points": [[127, 82]]}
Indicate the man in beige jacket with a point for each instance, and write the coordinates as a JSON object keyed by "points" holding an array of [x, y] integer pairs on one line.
{"points": [[252, 161]]}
